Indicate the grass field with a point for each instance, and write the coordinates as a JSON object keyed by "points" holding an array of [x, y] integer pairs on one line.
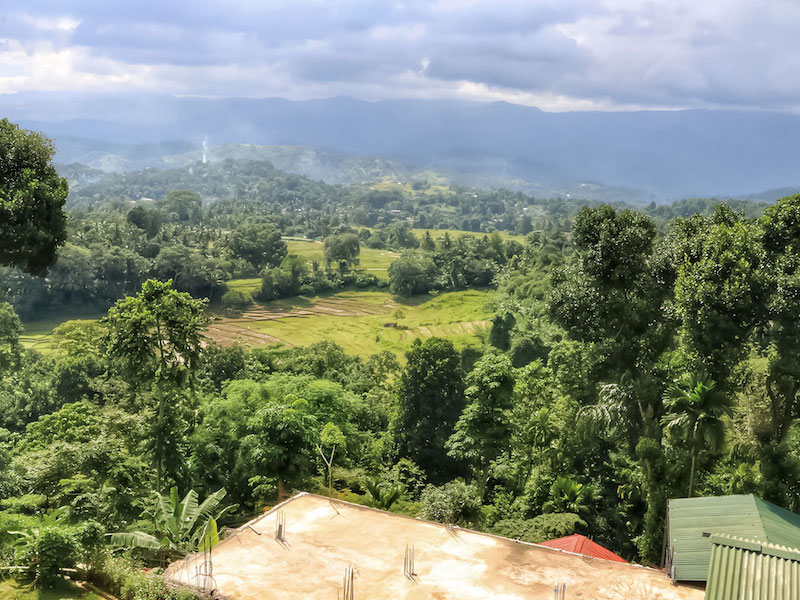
{"points": [[370, 259], [11, 589], [363, 323]]}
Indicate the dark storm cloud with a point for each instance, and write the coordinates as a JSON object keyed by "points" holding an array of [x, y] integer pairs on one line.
{"points": [[579, 53]]}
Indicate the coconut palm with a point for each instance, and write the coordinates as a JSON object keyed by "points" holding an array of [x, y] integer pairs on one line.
{"points": [[180, 526], [695, 409]]}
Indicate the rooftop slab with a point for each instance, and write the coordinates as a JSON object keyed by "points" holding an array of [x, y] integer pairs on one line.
{"points": [[324, 537]]}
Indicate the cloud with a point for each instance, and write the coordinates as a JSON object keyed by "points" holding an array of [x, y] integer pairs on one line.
{"points": [[556, 54]]}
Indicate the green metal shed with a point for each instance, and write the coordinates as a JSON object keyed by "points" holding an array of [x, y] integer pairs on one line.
{"points": [[743, 569], [692, 521]]}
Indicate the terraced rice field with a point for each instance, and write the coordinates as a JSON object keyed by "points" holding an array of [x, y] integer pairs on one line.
{"points": [[362, 323]]}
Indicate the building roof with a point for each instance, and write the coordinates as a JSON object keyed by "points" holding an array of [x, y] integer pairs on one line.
{"points": [[743, 569], [324, 538], [580, 544], [691, 522]]}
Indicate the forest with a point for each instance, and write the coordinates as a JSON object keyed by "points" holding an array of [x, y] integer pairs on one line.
{"points": [[634, 355]]}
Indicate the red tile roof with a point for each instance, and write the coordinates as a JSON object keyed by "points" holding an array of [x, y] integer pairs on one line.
{"points": [[582, 545]]}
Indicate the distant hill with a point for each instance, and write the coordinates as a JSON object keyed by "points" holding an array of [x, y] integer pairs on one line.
{"points": [[663, 154], [329, 166]]}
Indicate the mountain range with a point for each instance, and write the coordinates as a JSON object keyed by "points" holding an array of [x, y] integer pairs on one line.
{"points": [[652, 155]]}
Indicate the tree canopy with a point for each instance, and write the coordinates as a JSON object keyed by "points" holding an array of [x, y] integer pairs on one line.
{"points": [[32, 199]]}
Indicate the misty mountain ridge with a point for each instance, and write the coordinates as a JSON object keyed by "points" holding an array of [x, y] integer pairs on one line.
{"points": [[646, 155]]}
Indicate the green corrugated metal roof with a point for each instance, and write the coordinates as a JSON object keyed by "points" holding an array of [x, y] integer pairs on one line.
{"points": [[742, 569], [746, 516]]}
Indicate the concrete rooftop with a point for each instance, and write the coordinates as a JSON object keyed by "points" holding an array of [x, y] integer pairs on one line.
{"points": [[324, 537]]}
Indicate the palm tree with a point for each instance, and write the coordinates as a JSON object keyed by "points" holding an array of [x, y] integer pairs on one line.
{"points": [[695, 409], [180, 526], [567, 495]]}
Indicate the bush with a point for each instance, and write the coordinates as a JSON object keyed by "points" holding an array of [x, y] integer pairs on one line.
{"points": [[55, 548], [411, 274], [236, 300], [455, 502], [541, 528], [128, 581]]}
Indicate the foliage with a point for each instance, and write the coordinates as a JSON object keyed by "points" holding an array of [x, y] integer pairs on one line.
{"points": [[540, 528], [411, 274], [10, 328], [695, 412], [570, 496], [431, 397], [180, 526], [455, 503], [157, 337], [383, 496], [47, 545], [483, 430], [128, 581], [342, 249], [32, 198], [579, 410], [260, 244]]}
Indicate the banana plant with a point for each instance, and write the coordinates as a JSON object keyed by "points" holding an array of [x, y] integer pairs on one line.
{"points": [[383, 496], [180, 526]]}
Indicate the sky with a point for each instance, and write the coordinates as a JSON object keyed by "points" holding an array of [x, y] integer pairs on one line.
{"points": [[557, 55]]}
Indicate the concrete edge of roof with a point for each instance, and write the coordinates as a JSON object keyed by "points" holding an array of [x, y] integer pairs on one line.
{"points": [[253, 521]]}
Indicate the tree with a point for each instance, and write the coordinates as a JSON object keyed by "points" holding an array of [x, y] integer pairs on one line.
{"points": [[190, 270], [260, 244], [179, 527], [695, 412], [32, 198], [607, 293], [721, 297], [342, 249], [427, 244], [413, 273], [430, 397], [569, 496], [329, 439], [157, 337], [284, 281], [28, 391], [781, 241], [148, 220], [611, 297], [281, 441], [533, 426], [10, 328], [182, 205], [483, 431]]}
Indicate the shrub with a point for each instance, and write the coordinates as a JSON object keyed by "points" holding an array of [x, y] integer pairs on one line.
{"points": [[541, 528], [236, 300], [455, 502], [128, 581], [55, 548], [411, 274]]}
